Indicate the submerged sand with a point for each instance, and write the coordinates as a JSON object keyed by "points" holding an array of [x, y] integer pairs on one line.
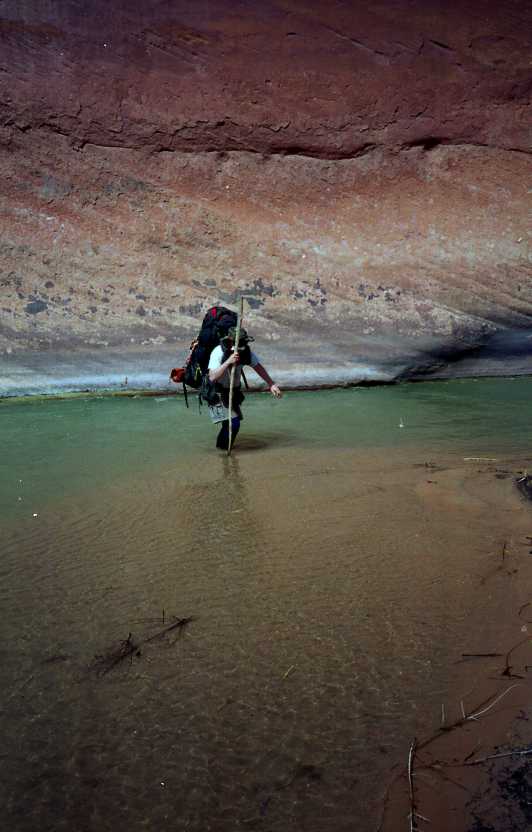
{"points": [[333, 594]]}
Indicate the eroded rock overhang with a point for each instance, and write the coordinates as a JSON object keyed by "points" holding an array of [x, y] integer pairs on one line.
{"points": [[360, 172]]}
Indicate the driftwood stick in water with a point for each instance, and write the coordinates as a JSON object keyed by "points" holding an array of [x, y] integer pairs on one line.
{"points": [[233, 372], [128, 648], [176, 625]]}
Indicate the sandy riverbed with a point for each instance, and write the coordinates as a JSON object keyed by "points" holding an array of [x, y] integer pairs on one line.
{"points": [[333, 594]]}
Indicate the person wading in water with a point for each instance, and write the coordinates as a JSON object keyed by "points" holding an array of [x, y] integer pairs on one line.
{"points": [[221, 361]]}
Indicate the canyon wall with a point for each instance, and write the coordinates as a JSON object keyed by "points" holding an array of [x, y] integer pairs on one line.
{"points": [[360, 171]]}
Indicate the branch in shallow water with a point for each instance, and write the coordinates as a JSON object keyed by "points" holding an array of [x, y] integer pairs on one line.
{"points": [[105, 662], [178, 624]]}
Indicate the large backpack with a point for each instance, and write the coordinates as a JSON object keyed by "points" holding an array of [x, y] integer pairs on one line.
{"points": [[215, 325]]}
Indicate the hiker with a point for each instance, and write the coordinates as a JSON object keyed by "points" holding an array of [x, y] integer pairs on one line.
{"points": [[221, 361], [208, 369]]}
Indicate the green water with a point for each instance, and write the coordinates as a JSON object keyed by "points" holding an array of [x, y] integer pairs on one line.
{"points": [[58, 447]]}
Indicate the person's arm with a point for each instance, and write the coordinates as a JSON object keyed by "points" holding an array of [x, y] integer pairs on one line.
{"points": [[215, 375], [272, 386]]}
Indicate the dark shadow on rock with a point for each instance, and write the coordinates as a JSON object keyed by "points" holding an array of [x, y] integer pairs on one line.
{"points": [[499, 347]]}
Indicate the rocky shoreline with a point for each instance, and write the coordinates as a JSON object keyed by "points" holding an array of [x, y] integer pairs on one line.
{"points": [[302, 365]]}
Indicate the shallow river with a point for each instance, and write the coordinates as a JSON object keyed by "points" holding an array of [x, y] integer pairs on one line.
{"points": [[334, 568]]}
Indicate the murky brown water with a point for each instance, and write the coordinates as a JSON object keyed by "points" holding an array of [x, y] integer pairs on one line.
{"points": [[331, 599], [333, 592]]}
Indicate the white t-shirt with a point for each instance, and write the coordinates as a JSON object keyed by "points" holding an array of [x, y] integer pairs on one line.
{"points": [[216, 360]]}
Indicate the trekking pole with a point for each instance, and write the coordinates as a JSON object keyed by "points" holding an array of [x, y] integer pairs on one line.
{"points": [[233, 371]]}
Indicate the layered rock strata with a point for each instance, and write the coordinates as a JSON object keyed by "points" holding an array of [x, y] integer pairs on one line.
{"points": [[360, 173]]}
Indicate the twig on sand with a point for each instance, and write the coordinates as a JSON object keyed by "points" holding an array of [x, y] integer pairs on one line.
{"points": [[467, 717], [508, 667], [453, 782], [386, 798], [490, 706], [411, 755], [498, 757], [414, 814], [473, 752], [481, 655], [480, 710]]}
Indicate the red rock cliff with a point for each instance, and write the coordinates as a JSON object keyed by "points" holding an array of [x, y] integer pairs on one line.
{"points": [[359, 170]]}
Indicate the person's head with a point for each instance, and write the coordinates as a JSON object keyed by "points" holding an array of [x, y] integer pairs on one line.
{"points": [[228, 340]]}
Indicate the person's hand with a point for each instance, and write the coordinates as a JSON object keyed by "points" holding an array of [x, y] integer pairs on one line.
{"points": [[276, 391], [234, 358]]}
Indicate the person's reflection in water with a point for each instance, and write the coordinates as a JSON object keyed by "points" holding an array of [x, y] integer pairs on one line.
{"points": [[233, 520], [231, 493]]}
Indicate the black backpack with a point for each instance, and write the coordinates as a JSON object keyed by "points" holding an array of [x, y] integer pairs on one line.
{"points": [[215, 325]]}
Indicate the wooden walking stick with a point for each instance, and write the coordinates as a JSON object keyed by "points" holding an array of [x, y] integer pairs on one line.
{"points": [[233, 372]]}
